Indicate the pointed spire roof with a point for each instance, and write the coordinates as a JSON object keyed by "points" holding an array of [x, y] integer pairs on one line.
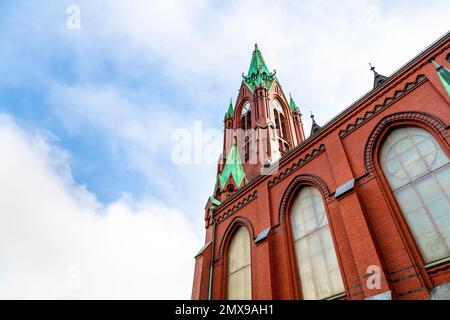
{"points": [[230, 111], [314, 127], [258, 73], [377, 78], [233, 168], [292, 104], [257, 64], [444, 75]]}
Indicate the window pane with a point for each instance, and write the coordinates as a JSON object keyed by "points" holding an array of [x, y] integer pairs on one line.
{"points": [[239, 270], [418, 171], [316, 257]]}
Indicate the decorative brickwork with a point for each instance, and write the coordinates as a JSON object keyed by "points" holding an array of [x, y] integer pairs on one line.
{"points": [[378, 108]]}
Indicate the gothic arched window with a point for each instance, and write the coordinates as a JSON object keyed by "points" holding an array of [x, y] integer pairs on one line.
{"points": [[239, 266], [246, 121], [317, 264], [279, 118], [418, 172], [280, 125], [246, 125]]}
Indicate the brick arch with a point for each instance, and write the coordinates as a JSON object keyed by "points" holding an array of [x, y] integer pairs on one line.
{"points": [[410, 117], [238, 109], [284, 106], [231, 230], [299, 181]]}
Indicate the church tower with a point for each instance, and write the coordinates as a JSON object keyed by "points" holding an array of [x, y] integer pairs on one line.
{"points": [[259, 129]]}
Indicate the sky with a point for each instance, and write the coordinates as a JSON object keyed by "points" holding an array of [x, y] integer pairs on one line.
{"points": [[93, 203]]}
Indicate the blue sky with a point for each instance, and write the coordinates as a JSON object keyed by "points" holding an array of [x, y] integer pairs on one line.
{"points": [[106, 98]]}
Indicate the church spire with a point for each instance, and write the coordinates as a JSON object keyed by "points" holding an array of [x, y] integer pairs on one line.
{"points": [[257, 64], [230, 112], [233, 168], [314, 127], [292, 104], [378, 78], [258, 73]]}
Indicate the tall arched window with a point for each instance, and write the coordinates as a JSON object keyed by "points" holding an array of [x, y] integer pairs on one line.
{"points": [[246, 118], [246, 125], [279, 119], [280, 125], [418, 172], [317, 263], [239, 266]]}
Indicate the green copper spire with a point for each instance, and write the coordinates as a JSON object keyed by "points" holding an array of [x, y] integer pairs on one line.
{"points": [[444, 75], [292, 104], [257, 64], [258, 74], [230, 112], [233, 167]]}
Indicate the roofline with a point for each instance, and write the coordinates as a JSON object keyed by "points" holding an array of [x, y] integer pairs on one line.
{"points": [[391, 77], [312, 139]]}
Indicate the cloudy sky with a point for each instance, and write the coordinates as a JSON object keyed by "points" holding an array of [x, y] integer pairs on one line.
{"points": [[92, 204]]}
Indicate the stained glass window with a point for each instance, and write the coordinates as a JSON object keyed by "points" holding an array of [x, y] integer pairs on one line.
{"points": [[317, 263], [418, 172], [239, 266]]}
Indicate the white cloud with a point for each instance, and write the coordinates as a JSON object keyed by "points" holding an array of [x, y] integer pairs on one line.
{"points": [[51, 229], [321, 49], [139, 133]]}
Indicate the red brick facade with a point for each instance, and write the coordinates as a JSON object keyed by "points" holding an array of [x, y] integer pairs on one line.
{"points": [[366, 223]]}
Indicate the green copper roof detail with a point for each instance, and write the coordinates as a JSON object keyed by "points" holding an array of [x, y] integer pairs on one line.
{"points": [[230, 111], [258, 74], [444, 75], [292, 104], [257, 64], [214, 201], [233, 167]]}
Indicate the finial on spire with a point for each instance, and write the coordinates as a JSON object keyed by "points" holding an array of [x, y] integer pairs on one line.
{"points": [[378, 78], [314, 126], [372, 68], [312, 117]]}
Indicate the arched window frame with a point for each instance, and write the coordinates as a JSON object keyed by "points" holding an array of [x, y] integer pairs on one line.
{"points": [[301, 181], [281, 121], [231, 230], [437, 129], [245, 123]]}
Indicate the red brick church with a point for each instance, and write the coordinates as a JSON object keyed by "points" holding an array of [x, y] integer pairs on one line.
{"points": [[359, 209]]}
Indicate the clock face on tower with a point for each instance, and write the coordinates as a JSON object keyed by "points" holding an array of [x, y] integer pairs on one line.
{"points": [[245, 108]]}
